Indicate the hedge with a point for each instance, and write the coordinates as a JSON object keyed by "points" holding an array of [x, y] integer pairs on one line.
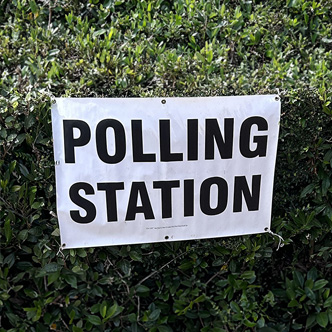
{"points": [[162, 48]]}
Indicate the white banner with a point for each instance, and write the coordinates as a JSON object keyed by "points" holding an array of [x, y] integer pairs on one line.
{"points": [[138, 170]]}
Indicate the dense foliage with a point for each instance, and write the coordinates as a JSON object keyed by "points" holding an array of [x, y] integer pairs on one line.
{"points": [[140, 48]]}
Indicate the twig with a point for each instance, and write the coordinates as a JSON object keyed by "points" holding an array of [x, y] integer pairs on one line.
{"points": [[218, 273], [45, 284], [64, 323], [214, 276], [157, 271], [10, 209], [200, 318], [49, 14], [121, 277], [138, 307], [55, 301]]}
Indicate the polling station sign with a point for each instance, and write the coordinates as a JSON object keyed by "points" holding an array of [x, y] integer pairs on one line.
{"points": [[138, 170]]}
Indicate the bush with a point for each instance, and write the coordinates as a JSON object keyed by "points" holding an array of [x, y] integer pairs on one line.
{"points": [[163, 48]]}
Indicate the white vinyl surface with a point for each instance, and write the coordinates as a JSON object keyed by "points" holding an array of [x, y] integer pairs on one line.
{"points": [[90, 169]]}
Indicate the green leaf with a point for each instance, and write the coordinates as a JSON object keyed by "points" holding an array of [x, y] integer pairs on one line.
{"points": [[4, 296], [186, 265], [135, 256], [95, 308], [328, 156], [52, 54], [15, 188], [72, 316], [24, 265], [81, 252], [103, 309], [222, 10], [19, 139], [125, 266], [71, 280], [307, 190], [328, 303], [8, 230], [11, 137], [52, 277], [201, 298], [108, 3], [36, 205], [31, 293], [154, 315], [142, 289], [77, 329], [113, 311], [13, 319], [298, 278], [164, 328], [222, 283], [249, 275], [319, 284], [312, 274], [322, 319], [293, 303], [29, 121], [248, 323], [12, 166], [76, 269], [51, 267], [235, 307], [94, 320], [200, 56], [132, 318], [310, 321], [56, 232], [33, 7], [99, 32], [23, 235], [310, 293], [216, 329], [329, 313], [325, 185], [24, 170]]}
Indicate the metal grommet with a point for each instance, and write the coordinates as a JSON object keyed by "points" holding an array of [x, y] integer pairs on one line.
{"points": [[63, 245], [166, 237], [277, 98], [163, 101], [266, 229], [57, 162]]}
